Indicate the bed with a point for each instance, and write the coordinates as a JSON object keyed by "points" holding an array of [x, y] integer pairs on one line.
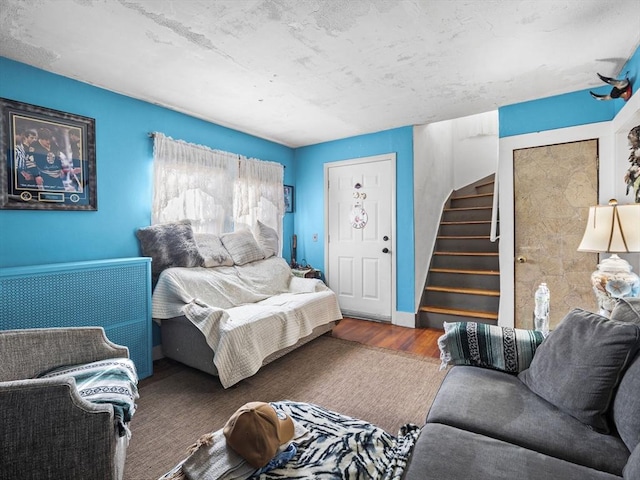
{"points": [[232, 310]]}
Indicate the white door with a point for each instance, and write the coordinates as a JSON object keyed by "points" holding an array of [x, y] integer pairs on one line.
{"points": [[360, 218]]}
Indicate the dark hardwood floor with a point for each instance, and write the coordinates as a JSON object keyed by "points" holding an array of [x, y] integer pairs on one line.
{"points": [[419, 341]]}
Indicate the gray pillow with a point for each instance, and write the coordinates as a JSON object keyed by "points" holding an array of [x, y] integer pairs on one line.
{"points": [[212, 251], [632, 468], [267, 239], [626, 405], [242, 247], [627, 310], [580, 364], [169, 245]]}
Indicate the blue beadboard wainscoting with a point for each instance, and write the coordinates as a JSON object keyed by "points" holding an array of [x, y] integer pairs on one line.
{"points": [[114, 294]]}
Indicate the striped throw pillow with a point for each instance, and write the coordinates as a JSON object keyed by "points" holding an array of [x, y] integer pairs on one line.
{"points": [[500, 348]]}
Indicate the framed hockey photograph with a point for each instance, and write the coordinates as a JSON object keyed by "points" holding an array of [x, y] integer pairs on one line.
{"points": [[49, 159]]}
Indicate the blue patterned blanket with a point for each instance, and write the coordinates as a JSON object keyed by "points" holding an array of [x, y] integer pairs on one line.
{"points": [[113, 381]]}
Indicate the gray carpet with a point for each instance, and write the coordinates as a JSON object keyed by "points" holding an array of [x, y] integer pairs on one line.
{"points": [[384, 387]]}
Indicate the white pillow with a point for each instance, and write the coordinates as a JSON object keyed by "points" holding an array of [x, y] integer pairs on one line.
{"points": [[268, 239], [212, 250], [242, 247]]}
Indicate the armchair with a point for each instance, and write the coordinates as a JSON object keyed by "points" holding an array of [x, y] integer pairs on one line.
{"points": [[47, 430]]}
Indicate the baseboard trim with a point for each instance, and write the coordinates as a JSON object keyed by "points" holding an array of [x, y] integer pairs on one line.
{"points": [[404, 319]]}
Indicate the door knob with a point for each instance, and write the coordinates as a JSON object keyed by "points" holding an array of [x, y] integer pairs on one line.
{"points": [[521, 259], [385, 238], [385, 250]]}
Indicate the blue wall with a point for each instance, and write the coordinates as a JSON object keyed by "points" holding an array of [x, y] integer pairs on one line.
{"points": [[124, 155], [568, 110], [310, 213]]}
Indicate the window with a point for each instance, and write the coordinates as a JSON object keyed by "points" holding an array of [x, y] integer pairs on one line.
{"points": [[217, 191]]}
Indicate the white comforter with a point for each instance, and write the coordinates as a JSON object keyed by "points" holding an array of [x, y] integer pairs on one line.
{"points": [[246, 312]]}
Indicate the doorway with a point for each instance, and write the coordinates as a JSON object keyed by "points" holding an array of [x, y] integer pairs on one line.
{"points": [[360, 206], [554, 186]]}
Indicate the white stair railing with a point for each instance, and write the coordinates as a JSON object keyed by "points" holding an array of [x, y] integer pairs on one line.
{"points": [[494, 211]]}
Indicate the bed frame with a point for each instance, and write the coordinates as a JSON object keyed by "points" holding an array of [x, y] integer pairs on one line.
{"points": [[183, 342]]}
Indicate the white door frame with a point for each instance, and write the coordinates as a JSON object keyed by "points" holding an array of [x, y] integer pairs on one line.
{"points": [[600, 131], [364, 160]]}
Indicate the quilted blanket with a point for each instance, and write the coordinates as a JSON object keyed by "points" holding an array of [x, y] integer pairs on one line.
{"points": [[332, 447], [246, 312]]}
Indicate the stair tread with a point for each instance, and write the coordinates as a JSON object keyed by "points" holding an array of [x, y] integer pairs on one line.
{"points": [[478, 254], [464, 271], [461, 312], [474, 195], [461, 237], [469, 291], [460, 209], [466, 222]]}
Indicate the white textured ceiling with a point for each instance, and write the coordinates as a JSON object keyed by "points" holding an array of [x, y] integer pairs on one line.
{"points": [[300, 72]]}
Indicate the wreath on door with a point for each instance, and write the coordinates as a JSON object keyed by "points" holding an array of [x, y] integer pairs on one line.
{"points": [[358, 216]]}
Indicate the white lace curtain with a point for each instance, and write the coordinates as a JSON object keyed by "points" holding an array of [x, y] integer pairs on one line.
{"points": [[217, 191]]}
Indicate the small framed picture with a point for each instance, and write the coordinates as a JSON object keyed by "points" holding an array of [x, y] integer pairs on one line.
{"points": [[288, 198], [48, 159]]}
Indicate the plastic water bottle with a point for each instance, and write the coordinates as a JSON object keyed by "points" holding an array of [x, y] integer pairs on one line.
{"points": [[541, 312]]}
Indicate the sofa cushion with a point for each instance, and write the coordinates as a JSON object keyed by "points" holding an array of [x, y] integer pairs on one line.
{"points": [[444, 452], [242, 247], [580, 363], [492, 403], [626, 406], [470, 343], [626, 310], [169, 245], [212, 251]]}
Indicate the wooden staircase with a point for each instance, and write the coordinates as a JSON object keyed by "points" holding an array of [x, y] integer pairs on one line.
{"points": [[463, 283]]}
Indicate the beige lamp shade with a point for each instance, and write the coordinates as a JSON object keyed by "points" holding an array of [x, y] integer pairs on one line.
{"points": [[612, 228]]}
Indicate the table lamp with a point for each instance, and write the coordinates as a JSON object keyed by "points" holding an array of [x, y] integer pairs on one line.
{"points": [[614, 229]]}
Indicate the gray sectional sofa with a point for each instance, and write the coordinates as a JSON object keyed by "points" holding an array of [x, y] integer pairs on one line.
{"points": [[573, 414]]}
